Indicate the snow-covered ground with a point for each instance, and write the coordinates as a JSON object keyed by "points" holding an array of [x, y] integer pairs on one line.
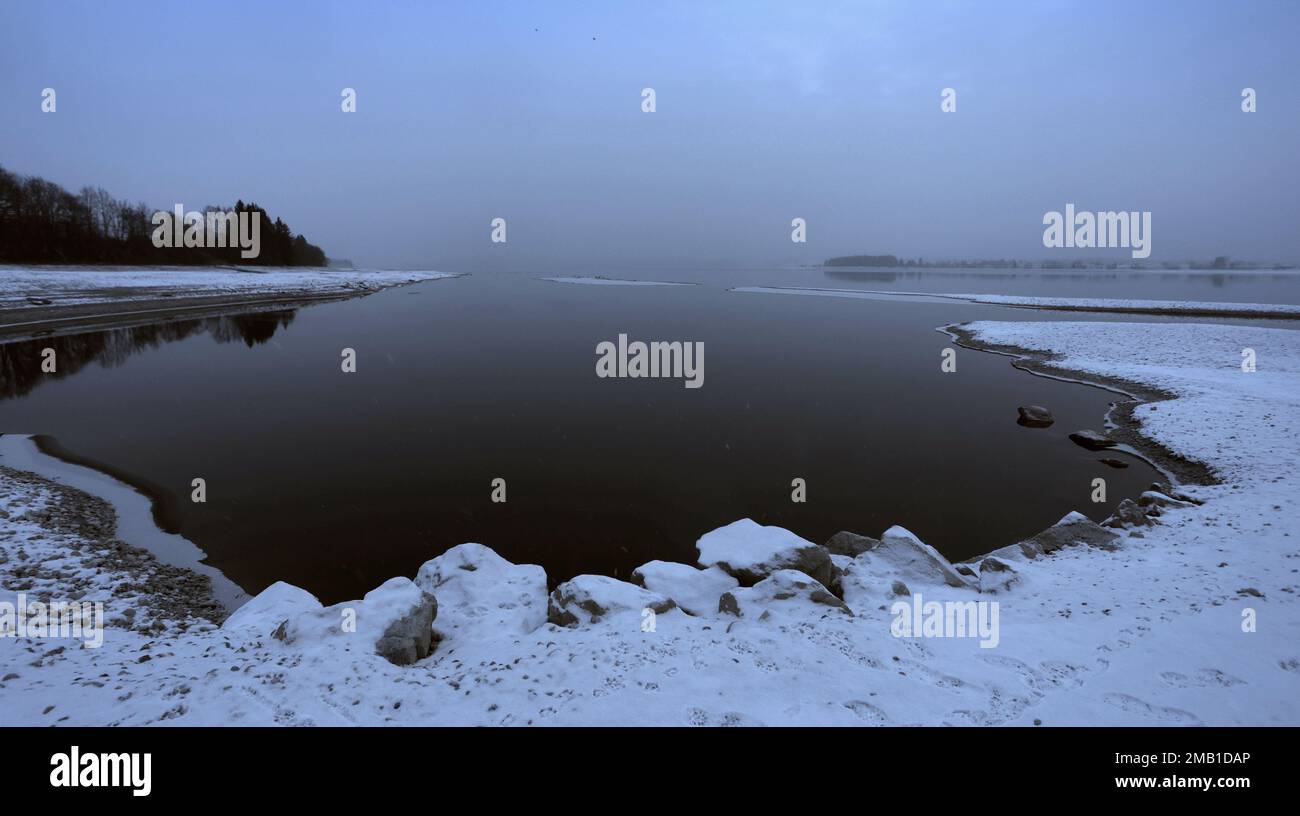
{"points": [[31, 286], [1126, 305], [1144, 625]]}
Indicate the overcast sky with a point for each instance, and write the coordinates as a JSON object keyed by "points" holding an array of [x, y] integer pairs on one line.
{"points": [[531, 111]]}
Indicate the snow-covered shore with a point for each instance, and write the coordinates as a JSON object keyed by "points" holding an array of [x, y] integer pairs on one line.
{"points": [[75, 285], [1182, 308], [36, 299], [1144, 625]]}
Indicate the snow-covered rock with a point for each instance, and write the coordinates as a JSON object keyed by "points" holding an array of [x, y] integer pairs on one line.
{"points": [[272, 607], [694, 590], [996, 576], [751, 552], [1153, 502], [402, 614], [911, 559], [1128, 513], [850, 544], [790, 589], [592, 598], [481, 595], [393, 620], [1074, 529]]}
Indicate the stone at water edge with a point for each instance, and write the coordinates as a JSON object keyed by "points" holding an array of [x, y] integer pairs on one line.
{"points": [[1073, 529], [1128, 514], [1153, 502], [271, 608], [1034, 416], [750, 552], [1118, 464], [1092, 440], [911, 558]]}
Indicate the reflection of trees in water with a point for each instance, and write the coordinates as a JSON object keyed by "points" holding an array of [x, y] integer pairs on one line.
{"points": [[20, 362]]}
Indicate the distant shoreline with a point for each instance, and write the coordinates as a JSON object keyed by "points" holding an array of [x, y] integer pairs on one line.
{"points": [[89, 298]]}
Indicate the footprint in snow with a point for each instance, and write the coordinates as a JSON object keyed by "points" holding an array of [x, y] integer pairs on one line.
{"points": [[1201, 679], [1132, 705]]}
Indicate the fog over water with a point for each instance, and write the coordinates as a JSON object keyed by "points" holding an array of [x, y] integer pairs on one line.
{"points": [[764, 112]]}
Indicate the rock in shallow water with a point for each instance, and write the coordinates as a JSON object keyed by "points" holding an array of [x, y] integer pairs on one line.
{"points": [[1092, 440], [1034, 416]]}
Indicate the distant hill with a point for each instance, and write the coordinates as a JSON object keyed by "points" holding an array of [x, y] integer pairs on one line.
{"points": [[40, 222], [862, 260]]}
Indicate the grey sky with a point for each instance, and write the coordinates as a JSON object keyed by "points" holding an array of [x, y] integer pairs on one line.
{"points": [[766, 111]]}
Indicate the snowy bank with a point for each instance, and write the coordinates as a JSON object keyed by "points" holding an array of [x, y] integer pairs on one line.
{"points": [[24, 287], [1184, 308], [36, 299], [1139, 622]]}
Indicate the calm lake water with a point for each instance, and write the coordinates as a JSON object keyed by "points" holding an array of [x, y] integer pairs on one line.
{"points": [[336, 482]]}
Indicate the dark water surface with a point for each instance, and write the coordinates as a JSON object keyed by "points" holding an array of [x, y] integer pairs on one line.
{"points": [[336, 482]]}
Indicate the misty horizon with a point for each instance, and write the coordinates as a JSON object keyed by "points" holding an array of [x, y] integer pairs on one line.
{"points": [[831, 115]]}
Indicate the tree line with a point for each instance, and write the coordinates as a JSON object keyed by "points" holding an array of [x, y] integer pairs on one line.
{"points": [[40, 222]]}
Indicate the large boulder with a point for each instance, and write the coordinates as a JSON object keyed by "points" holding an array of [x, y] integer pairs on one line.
{"points": [[750, 552], [911, 559], [394, 620], [850, 544], [482, 595], [695, 591], [792, 590], [401, 615], [270, 608], [1073, 529], [592, 598]]}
